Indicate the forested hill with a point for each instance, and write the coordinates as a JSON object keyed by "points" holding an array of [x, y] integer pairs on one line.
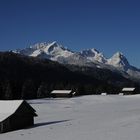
{"points": [[27, 77]]}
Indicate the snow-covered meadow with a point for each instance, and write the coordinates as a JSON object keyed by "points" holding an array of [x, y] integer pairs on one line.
{"points": [[83, 118]]}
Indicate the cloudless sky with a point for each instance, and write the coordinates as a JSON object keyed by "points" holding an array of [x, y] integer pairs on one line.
{"points": [[107, 25]]}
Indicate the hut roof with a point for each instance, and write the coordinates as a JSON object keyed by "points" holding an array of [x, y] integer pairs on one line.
{"points": [[61, 91], [9, 107], [128, 89]]}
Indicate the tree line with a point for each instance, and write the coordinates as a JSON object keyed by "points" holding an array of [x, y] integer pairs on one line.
{"points": [[23, 77]]}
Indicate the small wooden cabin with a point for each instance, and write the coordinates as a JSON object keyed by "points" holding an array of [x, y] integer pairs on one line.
{"points": [[128, 91], [103, 94], [62, 93], [15, 114]]}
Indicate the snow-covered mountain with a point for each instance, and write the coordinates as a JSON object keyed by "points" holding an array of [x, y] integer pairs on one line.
{"points": [[118, 60], [88, 57], [52, 51]]}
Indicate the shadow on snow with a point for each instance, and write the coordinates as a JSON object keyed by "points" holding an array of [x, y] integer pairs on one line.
{"points": [[48, 123]]}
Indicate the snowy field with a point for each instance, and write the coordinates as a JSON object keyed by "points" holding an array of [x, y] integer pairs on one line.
{"points": [[83, 118]]}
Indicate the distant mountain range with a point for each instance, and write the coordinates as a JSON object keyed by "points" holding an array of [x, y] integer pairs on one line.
{"points": [[88, 57]]}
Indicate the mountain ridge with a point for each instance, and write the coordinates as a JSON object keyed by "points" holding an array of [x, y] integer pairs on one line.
{"points": [[87, 57], [24, 77]]}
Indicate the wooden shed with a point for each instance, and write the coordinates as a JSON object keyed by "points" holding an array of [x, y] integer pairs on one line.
{"points": [[15, 114], [128, 91], [62, 93]]}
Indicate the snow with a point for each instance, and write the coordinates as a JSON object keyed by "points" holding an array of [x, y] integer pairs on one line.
{"points": [[121, 94], [93, 55], [118, 60], [36, 53], [83, 118], [128, 89], [46, 50], [53, 49], [103, 94], [7, 108], [61, 91]]}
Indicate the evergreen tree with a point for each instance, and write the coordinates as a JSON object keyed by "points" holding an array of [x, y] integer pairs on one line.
{"points": [[28, 90], [1, 90], [8, 91], [80, 90], [43, 91]]}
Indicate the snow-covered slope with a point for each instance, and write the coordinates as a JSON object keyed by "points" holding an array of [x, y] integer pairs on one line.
{"points": [[88, 57], [94, 55], [118, 60], [83, 118]]}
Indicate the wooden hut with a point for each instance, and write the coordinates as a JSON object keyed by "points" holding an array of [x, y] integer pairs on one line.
{"points": [[104, 94], [62, 93], [16, 114], [128, 91]]}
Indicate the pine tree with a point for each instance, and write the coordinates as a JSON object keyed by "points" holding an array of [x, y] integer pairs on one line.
{"points": [[8, 91], [43, 91], [28, 90]]}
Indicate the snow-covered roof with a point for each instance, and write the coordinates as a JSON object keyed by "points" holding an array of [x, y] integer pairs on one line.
{"points": [[61, 91], [121, 94], [128, 89], [103, 94], [7, 108]]}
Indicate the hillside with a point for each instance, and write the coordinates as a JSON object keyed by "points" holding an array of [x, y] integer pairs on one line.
{"points": [[28, 77]]}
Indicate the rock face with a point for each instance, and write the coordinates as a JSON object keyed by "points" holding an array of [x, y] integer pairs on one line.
{"points": [[87, 57], [94, 55], [118, 60]]}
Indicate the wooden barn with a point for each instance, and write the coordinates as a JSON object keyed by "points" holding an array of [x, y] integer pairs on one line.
{"points": [[62, 93], [16, 114], [128, 91]]}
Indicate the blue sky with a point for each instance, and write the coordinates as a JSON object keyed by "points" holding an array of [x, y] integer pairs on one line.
{"points": [[107, 25]]}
